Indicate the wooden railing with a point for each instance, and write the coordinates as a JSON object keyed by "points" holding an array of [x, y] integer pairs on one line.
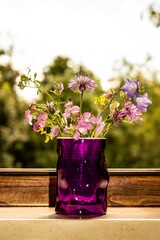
{"points": [[37, 187]]}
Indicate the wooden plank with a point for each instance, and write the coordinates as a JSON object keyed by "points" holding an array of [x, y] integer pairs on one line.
{"points": [[134, 191], [32, 187], [27, 190]]}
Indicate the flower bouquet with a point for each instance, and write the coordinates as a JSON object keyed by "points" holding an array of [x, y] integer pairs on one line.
{"points": [[55, 118]]}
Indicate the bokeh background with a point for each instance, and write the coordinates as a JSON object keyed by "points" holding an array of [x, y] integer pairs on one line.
{"points": [[110, 40]]}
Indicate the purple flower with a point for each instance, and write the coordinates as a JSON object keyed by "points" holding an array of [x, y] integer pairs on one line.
{"points": [[130, 111], [142, 102], [119, 116], [82, 83], [70, 110], [130, 88]]}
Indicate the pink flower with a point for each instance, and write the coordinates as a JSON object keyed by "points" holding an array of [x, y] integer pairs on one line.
{"points": [[28, 116], [87, 118], [35, 127], [77, 135], [54, 131], [40, 121], [69, 104], [50, 105], [133, 113], [32, 106], [99, 127], [70, 110], [85, 122]]}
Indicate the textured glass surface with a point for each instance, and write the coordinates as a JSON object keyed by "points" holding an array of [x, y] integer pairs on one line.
{"points": [[82, 177]]}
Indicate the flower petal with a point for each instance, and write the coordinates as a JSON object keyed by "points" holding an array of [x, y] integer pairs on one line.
{"points": [[54, 131], [83, 130], [130, 88], [86, 115], [28, 116], [99, 129], [77, 135]]}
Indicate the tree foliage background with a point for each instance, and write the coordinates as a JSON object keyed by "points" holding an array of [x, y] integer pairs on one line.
{"points": [[127, 145]]}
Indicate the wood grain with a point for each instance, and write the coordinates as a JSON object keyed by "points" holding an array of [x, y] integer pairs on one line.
{"points": [[33, 187], [27, 190], [134, 191]]}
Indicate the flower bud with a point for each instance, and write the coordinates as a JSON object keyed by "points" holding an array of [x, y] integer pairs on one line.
{"points": [[122, 95]]}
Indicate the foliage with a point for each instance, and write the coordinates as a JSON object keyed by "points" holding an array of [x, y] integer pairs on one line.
{"points": [[19, 147], [12, 134], [154, 14]]}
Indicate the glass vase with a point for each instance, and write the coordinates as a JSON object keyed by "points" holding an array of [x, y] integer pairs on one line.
{"points": [[82, 177]]}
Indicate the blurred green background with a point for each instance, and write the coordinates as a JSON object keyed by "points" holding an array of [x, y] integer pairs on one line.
{"points": [[130, 146]]}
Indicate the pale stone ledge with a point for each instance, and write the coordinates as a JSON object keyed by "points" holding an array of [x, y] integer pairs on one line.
{"points": [[32, 223]]}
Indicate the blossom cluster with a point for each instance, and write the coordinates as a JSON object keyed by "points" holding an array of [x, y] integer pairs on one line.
{"points": [[53, 120]]}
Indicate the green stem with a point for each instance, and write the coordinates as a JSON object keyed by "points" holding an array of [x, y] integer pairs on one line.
{"points": [[37, 86], [110, 102], [81, 101], [100, 114], [44, 91]]}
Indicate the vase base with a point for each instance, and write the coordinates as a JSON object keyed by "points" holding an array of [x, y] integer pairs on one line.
{"points": [[80, 210]]}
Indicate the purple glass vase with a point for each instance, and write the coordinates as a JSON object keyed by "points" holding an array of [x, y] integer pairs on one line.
{"points": [[82, 176]]}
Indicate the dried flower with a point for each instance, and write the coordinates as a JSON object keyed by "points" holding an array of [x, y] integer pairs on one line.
{"points": [[58, 88], [82, 83]]}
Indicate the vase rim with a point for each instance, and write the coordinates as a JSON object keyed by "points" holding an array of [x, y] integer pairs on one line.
{"points": [[80, 138]]}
